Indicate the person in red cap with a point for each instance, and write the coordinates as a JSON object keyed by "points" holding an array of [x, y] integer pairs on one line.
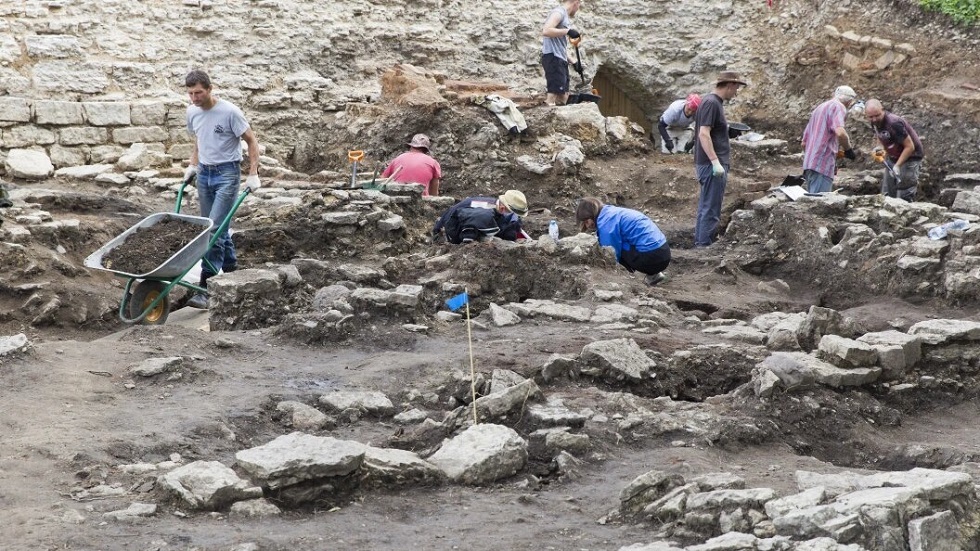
{"points": [[416, 166], [677, 125]]}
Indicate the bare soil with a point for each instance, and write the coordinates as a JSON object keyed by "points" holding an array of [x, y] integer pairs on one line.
{"points": [[148, 248]]}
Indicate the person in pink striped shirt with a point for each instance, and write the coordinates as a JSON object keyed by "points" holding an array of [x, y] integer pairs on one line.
{"points": [[823, 137], [416, 166]]}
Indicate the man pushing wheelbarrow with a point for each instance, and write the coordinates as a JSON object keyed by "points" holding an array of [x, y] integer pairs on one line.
{"points": [[218, 127]]}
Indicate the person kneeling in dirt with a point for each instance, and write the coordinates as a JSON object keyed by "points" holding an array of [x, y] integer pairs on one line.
{"points": [[639, 244], [676, 125], [416, 166], [479, 217]]}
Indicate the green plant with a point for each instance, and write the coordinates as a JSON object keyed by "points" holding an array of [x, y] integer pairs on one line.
{"points": [[966, 12]]}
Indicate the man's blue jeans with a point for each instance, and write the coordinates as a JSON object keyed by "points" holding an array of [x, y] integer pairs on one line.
{"points": [[217, 190], [816, 182], [709, 204]]}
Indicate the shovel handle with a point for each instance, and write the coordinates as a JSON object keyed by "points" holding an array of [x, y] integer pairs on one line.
{"points": [[575, 41], [355, 156]]}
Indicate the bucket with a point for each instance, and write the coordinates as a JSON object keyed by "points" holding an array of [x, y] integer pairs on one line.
{"points": [[582, 98]]}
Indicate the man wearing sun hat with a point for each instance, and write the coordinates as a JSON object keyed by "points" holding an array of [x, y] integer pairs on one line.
{"points": [[823, 136], [416, 166], [478, 217], [712, 155]]}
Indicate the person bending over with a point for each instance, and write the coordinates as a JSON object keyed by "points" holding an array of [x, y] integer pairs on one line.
{"points": [[639, 244]]}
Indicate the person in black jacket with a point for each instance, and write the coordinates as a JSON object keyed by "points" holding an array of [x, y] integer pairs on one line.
{"points": [[477, 217]]}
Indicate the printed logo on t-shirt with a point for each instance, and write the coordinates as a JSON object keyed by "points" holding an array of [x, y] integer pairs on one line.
{"points": [[218, 129]]}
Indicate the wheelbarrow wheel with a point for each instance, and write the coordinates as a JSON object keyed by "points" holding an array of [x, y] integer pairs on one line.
{"points": [[143, 295]]}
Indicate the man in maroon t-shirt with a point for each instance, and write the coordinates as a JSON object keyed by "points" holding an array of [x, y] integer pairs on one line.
{"points": [[903, 151]]}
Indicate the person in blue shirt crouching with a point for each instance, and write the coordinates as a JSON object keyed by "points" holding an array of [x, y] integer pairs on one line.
{"points": [[639, 244]]}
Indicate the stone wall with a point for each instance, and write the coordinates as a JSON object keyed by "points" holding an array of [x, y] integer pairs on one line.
{"points": [[74, 133]]}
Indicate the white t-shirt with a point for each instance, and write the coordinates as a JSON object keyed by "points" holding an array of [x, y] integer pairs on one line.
{"points": [[218, 131]]}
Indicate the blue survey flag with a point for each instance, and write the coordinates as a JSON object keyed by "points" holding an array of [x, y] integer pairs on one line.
{"points": [[458, 301]]}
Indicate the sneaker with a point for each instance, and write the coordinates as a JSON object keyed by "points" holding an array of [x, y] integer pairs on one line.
{"points": [[199, 301], [656, 278]]}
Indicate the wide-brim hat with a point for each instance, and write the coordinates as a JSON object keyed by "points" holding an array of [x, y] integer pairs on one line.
{"points": [[725, 77], [515, 201]]}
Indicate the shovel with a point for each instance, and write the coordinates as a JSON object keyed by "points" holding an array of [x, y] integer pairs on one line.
{"points": [[354, 157], [578, 57]]}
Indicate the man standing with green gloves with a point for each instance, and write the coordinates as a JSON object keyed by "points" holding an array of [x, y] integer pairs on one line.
{"points": [[712, 155]]}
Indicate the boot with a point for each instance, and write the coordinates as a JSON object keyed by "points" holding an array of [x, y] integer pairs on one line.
{"points": [[199, 300]]}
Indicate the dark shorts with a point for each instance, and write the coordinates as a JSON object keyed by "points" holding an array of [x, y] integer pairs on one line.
{"points": [[555, 73]]}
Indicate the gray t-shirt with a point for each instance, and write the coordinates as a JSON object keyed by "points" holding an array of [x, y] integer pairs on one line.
{"points": [[218, 131], [557, 46], [674, 116]]}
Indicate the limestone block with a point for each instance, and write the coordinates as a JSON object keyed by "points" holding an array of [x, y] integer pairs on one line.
{"points": [[26, 136], [482, 454], [938, 532], [133, 512], [502, 317], [844, 352], [371, 402], [208, 485], [140, 157], [252, 508], [28, 164], [618, 128], [302, 416], [58, 112], [13, 343], [387, 467], [617, 359], [554, 414], [940, 331], [67, 156], [9, 49], [135, 134], [646, 489], [14, 110], [14, 83], [105, 153], [897, 351], [53, 46], [730, 499], [107, 113], [82, 135], [155, 366], [392, 223], [581, 121], [535, 307], [245, 299], [65, 76], [569, 159], [148, 113], [967, 201], [86, 172], [181, 151], [299, 457]]}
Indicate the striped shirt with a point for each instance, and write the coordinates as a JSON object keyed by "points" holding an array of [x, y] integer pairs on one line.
{"points": [[820, 137]]}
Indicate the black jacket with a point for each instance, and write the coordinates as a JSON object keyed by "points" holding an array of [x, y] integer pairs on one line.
{"points": [[477, 216]]}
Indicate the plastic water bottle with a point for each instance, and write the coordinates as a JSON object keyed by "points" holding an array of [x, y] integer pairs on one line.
{"points": [[553, 230], [940, 232]]}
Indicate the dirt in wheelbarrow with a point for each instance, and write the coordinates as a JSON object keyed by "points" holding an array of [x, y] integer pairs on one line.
{"points": [[148, 248]]}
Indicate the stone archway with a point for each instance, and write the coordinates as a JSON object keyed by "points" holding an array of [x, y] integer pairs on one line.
{"points": [[618, 101]]}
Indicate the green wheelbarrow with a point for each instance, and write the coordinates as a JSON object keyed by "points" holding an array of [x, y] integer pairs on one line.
{"points": [[146, 298]]}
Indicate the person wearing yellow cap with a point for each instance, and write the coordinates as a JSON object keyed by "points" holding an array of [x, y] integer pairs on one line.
{"points": [[475, 218]]}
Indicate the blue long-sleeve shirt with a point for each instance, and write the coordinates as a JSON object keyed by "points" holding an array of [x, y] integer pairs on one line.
{"points": [[627, 229]]}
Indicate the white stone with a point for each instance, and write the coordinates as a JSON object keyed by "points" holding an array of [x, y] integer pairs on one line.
{"points": [[208, 485], [482, 454], [14, 343], [28, 164], [298, 457], [107, 113], [371, 402], [617, 359], [58, 112]]}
